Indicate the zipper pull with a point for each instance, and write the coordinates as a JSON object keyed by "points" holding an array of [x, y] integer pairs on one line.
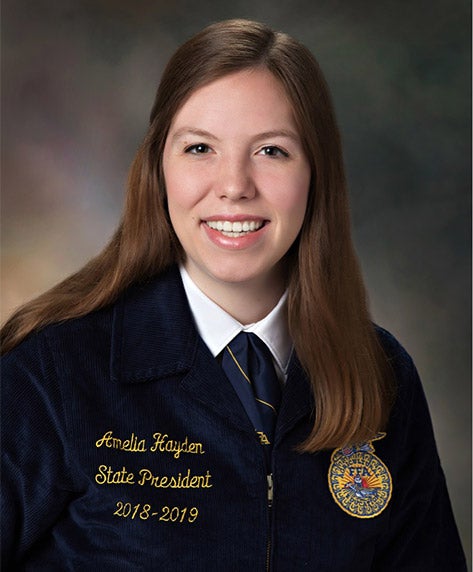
{"points": [[270, 489]]}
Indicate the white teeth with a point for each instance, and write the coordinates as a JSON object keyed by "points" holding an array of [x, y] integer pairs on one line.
{"points": [[234, 229]]}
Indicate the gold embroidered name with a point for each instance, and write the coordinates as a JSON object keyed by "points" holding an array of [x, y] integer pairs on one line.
{"points": [[163, 444], [131, 445], [186, 481]]}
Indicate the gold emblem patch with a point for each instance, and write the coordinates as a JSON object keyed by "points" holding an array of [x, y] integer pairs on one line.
{"points": [[359, 481]]}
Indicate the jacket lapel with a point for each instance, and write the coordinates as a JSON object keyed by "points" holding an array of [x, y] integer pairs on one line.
{"points": [[154, 337], [297, 401], [207, 383]]}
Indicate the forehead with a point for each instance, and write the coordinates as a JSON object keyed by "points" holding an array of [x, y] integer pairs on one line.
{"points": [[250, 97]]}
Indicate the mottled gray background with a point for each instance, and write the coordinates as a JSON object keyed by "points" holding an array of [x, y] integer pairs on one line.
{"points": [[78, 82]]}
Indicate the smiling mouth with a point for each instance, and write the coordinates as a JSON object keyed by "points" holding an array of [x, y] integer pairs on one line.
{"points": [[235, 229]]}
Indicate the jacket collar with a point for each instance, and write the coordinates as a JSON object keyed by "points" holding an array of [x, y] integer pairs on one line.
{"points": [[145, 320], [145, 347]]}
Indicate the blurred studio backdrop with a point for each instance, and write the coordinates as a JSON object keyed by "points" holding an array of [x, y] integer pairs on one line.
{"points": [[78, 82]]}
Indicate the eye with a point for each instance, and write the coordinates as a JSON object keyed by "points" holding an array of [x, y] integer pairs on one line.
{"points": [[198, 149], [273, 151]]}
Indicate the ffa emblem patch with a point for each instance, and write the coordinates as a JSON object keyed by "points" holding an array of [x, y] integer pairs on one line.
{"points": [[359, 481]]}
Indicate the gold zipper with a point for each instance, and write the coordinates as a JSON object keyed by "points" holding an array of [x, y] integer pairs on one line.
{"points": [[270, 489], [270, 504]]}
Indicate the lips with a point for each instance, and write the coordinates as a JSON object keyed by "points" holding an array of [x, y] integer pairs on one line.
{"points": [[235, 229]]}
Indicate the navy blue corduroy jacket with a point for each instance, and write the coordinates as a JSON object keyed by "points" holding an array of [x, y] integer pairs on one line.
{"points": [[126, 448]]}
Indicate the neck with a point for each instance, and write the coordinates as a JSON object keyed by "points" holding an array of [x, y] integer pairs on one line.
{"points": [[247, 302]]}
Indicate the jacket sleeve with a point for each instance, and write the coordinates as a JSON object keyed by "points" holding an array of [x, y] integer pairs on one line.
{"points": [[36, 481], [422, 533]]}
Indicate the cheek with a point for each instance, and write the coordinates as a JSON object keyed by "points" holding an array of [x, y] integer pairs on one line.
{"points": [[176, 200], [185, 187], [293, 201], [180, 190]]}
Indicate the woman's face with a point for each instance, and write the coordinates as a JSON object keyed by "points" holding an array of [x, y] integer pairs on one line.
{"points": [[237, 180]]}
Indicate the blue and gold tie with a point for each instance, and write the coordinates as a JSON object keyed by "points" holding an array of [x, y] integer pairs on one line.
{"points": [[248, 364]]}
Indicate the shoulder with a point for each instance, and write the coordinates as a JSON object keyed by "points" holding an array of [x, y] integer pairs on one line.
{"points": [[149, 325], [399, 360], [41, 346], [393, 349], [95, 328], [409, 395]]}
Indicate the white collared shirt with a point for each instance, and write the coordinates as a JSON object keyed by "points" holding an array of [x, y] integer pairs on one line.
{"points": [[217, 328]]}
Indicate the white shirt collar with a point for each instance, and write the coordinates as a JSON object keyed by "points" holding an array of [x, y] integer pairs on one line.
{"points": [[217, 328]]}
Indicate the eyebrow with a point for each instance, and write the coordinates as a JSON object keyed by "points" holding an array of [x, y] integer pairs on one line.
{"points": [[278, 133], [193, 131], [259, 136]]}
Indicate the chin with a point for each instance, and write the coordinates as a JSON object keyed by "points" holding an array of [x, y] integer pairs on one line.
{"points": [[233, 276]]}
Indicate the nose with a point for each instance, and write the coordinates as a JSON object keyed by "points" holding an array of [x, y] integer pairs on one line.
{"points": [[235, 181]]}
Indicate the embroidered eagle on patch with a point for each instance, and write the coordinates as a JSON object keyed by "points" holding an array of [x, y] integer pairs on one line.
{"points": [[359, 481]]}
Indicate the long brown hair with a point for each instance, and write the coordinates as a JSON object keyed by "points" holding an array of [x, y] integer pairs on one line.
{"points": [[328, 317]]}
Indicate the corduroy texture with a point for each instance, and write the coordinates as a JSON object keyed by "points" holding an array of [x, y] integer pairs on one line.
{"points": [[126, 448]]}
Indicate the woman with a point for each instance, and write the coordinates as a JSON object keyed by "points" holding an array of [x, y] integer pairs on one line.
{"points": [[130, 443]]}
